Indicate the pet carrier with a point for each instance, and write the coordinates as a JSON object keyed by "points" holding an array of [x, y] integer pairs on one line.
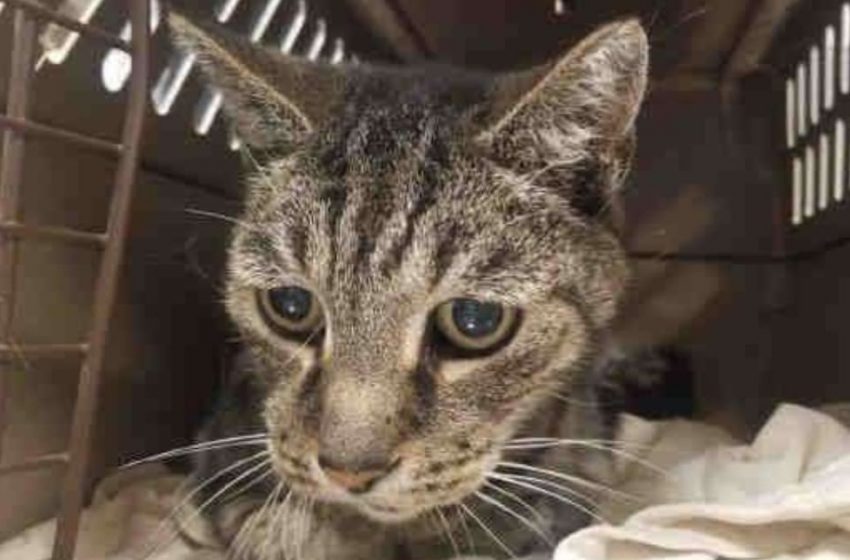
{"points": [[119, 176]]}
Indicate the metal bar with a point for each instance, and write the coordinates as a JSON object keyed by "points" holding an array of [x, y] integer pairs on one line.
{"points": [[52, 233], [37, 463], [11, 173], [40, 12], [74, 138], [27, 350], [107, 284]]}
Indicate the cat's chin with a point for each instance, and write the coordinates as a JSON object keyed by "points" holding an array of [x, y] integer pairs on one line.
{"points": [[386, 517], [383, 510], [396, 516]]}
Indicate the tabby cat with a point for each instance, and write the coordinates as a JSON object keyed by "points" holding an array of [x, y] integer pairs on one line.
{"points": [[423, 277]]}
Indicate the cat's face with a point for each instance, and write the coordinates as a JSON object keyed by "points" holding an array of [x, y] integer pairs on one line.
{"points": [[416, 267]]}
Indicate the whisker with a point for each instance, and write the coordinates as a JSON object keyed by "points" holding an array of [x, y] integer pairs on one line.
{"points": [[274, 529], [573, 402], [487, 530], [469, 540], [310, 514], [233, 483], [260, 171], [572, 491], [306, 517], [614, 450], [516, 498], [502, 507], [291, 542], [282, 529], [249, 526], [236, 441], [154, 547], [568, 441], [560, 498], [271, 523], [222, 217], [567, 478], [659, 37], [184, 452], [599, 445], [448, 530], [433, 522], [542, 481], [281, 519], [649, 465], [300, 528]]}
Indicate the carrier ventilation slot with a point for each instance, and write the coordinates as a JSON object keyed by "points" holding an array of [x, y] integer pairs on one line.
{"points": [[301, 33], [815, 136]]}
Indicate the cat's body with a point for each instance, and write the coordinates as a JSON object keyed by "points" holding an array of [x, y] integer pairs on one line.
{"points": [[423, 274]]}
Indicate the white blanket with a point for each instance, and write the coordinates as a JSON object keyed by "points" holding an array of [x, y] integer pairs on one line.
{"points": [[784, 497]]}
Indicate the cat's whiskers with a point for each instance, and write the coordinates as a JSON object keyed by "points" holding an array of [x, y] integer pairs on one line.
{"points": [[260, 170], [602, 489], [283, 515], [596, 441], [224, 218], [281, 519], [573, 401], [154, 547], [613, 447], [470, 541], [598, 444], [563, 499], [222, 443], [487, 530], [568, 478], [447, 529], [295, 544], [306, 526], [544, 482], [276, 538], [232, 486], [271, 522], [516, 498], [659, 38], [240, 542], [251, 525], [536, 529]]}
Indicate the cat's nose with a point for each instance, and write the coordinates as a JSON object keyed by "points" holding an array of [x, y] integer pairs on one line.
{"points": [[357, 480]]}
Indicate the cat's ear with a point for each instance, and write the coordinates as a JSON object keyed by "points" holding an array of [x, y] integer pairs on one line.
{"points": [[573, 118], [273, 100]]}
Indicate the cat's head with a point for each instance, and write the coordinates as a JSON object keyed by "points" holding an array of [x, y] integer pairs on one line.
{"points": [[424, 255]]}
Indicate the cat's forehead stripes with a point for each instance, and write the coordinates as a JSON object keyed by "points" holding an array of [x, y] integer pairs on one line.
{"points": [[429, 216]]}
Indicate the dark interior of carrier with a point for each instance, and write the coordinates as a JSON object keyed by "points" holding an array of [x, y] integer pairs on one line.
{"points": [[737, 210]]}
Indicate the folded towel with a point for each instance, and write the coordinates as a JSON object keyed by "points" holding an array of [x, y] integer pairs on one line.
{"points": [[784, 497]]}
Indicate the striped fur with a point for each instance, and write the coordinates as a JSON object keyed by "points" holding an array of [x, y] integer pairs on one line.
{"points": [[387, 191]]}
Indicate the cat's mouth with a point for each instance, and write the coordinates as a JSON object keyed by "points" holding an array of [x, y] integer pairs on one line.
{"points": [[396, 497]]}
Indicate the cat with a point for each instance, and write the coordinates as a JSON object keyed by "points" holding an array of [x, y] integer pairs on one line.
{"points": [[423, 278]]}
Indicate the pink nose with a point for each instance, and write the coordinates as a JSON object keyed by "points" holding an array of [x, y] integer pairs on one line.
{"points": [[354, 481]]}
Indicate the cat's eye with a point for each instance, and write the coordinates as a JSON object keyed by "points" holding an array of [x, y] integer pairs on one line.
{"points": [[291, 310], [474, 325]]}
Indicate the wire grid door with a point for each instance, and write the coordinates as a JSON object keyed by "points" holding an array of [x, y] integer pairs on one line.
{"points": [[15, 128]]}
